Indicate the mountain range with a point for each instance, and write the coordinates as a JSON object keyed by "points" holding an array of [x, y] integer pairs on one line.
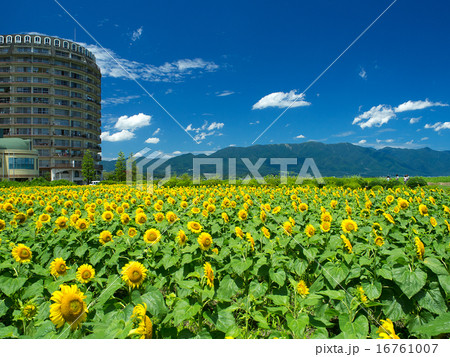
{"points": [[336, 160]]}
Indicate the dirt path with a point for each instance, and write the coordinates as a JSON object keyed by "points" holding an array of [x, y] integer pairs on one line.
{"points": [[439, 183]]}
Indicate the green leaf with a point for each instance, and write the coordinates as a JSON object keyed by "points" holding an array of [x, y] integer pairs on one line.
{"points": [[257, 289], [239, 266], [297, 325], [335, 274], [227, 289], [410, 282], [432, 300], [395, 306], [385, 273], [262, 321], [46, 330], [10, 284], [34, 290], [8, 331], [114, 284], [278, 276], [183, 311], [435, 266], [444, 280], [3, 308], [372, 289], [97, 256], [359, 328], [436, 327], [79, 252], [224, 320], [156, 305], [334, 294]]}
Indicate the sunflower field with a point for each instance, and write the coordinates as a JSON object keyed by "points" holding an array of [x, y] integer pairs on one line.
{"points": [[224, 262]]}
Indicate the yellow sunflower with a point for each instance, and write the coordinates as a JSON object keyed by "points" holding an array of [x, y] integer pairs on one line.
{"points": [[362, 294], [152, 236], [145, 327], [85, 273], [125, 218], [29, 311], [141, 218], [379, 241], [433, 221], [325, 226], [386, 330], [349, 225], [225, 217], [302, 289], [61, 222], [107, 216], [205, 241], [389, 217], [171, 217], [159, 217], [239, 232], [21, 253], [423, 210], [209, 275], [266, 232], [181, 237], [347, 243], [44, 218], [132, 232], [243, 215], [2, 224], [134, 274], [310, 230], [58, 267], [68, 307], [419, 247], [250, 240], [105, 237], [82, 224], [194, 227]]}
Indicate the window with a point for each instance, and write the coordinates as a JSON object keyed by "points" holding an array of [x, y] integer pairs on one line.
{"points": [[22, 110], [61, 63], [66, 44], [42, 142], [23, 100], [76, 143], [4, 110], [46, 41], [21, 163], [76, 124], [76, 57], [76, 95], [27, 39], [61, 53], [59, 72], [76, 114], [60, 82], [44, 152], [74, 47], [23, 69], [1, 39], [40, 70], [61, 122], [57, 43], [40, 110], [4, 79], [37, 40], [4, 50], [40, 90], [61, 92], [61, 132], [4, 69], [23, 131], [59, 142], [41, 50], [38, 100], [75, 85], [4, 121], [5, 100], [76, 104], [23, 59], [8, 39], [41, 121], [41, 131], [40, 60], [23, 120], [41, 80], [62, 112], [18, 39], [23, 79], [61, 102], [4, 89], [23, 49]]}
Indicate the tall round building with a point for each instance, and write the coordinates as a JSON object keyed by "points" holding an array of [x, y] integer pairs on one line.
{"points": [[50, 93]]}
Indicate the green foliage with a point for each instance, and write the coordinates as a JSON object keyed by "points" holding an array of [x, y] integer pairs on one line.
{"points": [[88, 167], [120, 173], [416, 182]]}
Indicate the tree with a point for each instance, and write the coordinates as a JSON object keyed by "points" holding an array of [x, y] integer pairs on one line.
{"points": [[120, 173], [87, 167], [133, 167]]}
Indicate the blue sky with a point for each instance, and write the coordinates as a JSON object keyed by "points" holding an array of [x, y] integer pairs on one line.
{"points": [[226, 70]]}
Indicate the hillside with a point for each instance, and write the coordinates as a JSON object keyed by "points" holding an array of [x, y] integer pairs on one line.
{"points": [[332, 160]]}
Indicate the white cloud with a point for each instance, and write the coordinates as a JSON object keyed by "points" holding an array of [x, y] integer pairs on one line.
{"points": [[344, 134], [362, 142], [385, 141], [123, 135], [215, 125], [205, 130], [282, 100], [416, 105], [414, 120], [133, 122], [137, 34], [119, 100], [376, 116], [177, 152], [424, 138], [300, 136], [152, 141], [156, 132], [438, 126], [256, 122], [409, 142], [224, 93], [174, 71], [362, 73]]}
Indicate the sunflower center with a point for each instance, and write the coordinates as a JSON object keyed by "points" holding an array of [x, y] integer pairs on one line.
{"points": [[71, 308], [62, 268], [86, 274], [135, 276], [24, 254], [207, 242]]}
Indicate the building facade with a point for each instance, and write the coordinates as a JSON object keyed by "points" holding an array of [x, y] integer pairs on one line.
{"points": [[50, 93], [18, 160]]}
